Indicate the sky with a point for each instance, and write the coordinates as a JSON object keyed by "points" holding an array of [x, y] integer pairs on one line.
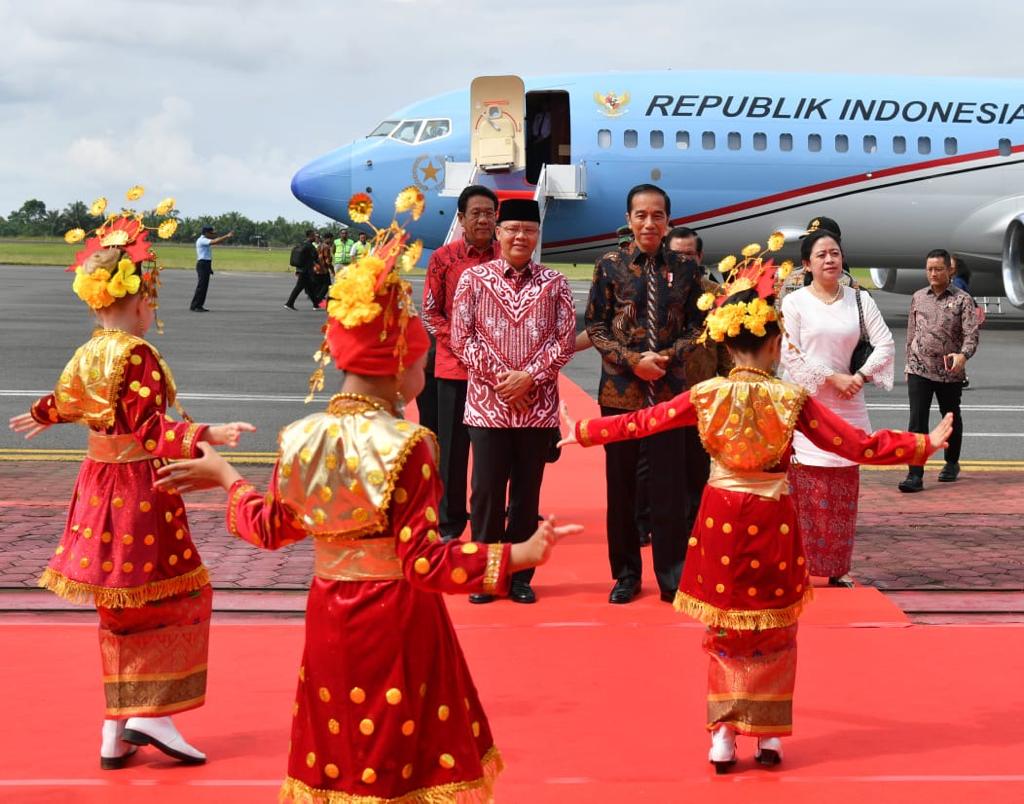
{"points": [[219, 103]]}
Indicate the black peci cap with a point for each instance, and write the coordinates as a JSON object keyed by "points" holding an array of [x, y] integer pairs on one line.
{"points": [[519, 209]]}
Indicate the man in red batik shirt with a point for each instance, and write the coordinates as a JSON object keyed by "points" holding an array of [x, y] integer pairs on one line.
{"points": [[477, 207], [513, 326]]}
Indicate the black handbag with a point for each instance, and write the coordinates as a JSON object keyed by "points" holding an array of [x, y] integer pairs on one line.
{"points": [[862, 351]]}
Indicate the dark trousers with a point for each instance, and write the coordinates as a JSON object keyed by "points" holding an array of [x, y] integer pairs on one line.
{"points": [[508, 463], [426, 402], [303, 282], [204, 270], [698, 470], [453, 439], [665, 453], [920, 390], [321, 284]]}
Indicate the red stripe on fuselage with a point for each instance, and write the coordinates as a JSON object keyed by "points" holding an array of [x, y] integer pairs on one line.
{"points": [[810, 189]]}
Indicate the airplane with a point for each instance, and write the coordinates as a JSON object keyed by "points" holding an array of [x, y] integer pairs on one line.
{"points": [[904, 165]]}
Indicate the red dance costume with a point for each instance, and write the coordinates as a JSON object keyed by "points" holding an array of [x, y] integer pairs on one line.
{"points": [[126, 547], [745, 575], [385, 708]]}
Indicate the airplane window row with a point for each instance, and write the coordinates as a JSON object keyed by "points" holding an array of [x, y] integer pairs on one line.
{"points": [[759, 142], [413, 131]]}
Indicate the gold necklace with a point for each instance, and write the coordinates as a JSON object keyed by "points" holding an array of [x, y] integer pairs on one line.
{"points": [[751, 370], [373, 401]]}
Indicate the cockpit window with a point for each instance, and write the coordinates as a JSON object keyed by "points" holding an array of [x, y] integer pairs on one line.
{"points": [[435, 129], [384, 128], [407, 131]]}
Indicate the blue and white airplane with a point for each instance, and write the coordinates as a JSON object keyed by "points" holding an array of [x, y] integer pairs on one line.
{"points": [[904, 165]]}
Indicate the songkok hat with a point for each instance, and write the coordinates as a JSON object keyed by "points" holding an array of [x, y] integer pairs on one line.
{"points": [[519, 209]]}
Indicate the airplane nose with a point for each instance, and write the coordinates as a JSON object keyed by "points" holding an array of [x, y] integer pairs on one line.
{"points": [[325, 184]]}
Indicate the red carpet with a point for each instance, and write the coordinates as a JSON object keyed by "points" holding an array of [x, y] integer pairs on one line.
{"points": [[588, 702]]}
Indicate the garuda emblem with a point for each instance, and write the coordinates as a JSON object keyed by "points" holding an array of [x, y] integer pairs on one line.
{"points": [[612, 104]]}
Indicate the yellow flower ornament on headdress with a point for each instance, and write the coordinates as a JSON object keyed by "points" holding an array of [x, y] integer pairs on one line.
{"points": [[117, 260], [752, 272]]}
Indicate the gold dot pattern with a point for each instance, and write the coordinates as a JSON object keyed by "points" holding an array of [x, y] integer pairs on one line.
{"points": [[333, 726], [369, 776], [357, 695], [421, 565], [366, 726], [408, 727], [446, 761], [442, 712], [393, 696]]}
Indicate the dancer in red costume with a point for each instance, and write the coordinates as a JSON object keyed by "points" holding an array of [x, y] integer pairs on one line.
{"points": [[385, 709], [745, 576], [126, 547]]}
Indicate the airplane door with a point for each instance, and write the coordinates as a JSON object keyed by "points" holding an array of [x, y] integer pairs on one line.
{"points": [[548, 131], [497, 110]]}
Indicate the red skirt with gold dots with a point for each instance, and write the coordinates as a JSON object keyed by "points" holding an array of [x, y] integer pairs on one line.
{"points": [[124, 544], [745, 566], [385, 708]]}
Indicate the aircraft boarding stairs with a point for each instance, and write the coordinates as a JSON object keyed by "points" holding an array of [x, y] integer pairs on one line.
{"points": [[555, 183]]}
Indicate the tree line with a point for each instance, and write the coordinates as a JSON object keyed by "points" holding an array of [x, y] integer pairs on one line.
{"points": [[33, 219]]}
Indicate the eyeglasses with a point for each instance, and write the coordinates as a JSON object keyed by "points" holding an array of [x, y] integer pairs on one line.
{"points": [[515, 231]]}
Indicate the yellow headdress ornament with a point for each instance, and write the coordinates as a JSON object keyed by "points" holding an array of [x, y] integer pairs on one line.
{"points": [[118, 260], [752, 272]]}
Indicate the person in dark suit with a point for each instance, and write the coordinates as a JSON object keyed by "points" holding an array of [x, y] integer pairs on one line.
{"points": [[304, 278]]}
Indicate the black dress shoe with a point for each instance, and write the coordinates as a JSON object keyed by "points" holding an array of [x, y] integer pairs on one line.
{"points": [[645, 538], [626, 590], [911, 484], [522, 593], [668, 597], [289, 307], [481, 598], [949, 473], [844, 581]]}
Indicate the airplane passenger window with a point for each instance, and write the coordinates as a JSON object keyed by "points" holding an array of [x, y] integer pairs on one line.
{"points": [[630, 138], [657, 139], [924, 145], [683, 140], [735, 141], [383, 129], [785, 142], [870, 143], [435, 129], [604, 138], [842, 144], [951, 145], [899, 145], [407, 131], [1005, 149], [707, 140], [760, 141], [813, 143]]}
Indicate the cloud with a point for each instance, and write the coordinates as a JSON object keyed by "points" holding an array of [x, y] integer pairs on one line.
{"points": [[220, 102]]}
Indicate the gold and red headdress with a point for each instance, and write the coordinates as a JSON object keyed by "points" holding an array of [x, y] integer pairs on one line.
{"points": [[372, 326], [118, 260], [753, 271]]}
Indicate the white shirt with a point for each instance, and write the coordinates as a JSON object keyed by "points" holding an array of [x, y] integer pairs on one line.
{"points": [[819, 341], [203, 248]]}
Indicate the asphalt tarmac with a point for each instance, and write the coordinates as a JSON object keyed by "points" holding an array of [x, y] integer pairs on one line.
{"points": [[249, 358]]}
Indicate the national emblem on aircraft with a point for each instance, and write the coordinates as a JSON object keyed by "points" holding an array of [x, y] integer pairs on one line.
{"points": [[612, 104]]}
